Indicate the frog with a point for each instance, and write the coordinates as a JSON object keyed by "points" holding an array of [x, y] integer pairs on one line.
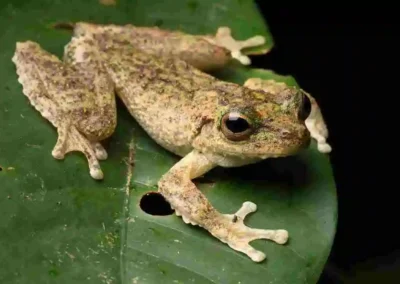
{"points": [[163, 79]]}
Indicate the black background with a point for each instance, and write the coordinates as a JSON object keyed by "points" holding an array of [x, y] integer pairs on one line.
{"points": [[347, 60]]}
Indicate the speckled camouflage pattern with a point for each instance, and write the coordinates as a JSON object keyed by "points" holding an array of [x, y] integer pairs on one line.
{"points": [[159, 76]]}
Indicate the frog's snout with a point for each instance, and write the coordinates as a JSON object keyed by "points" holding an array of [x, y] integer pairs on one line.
{"points": [[294, 138]]}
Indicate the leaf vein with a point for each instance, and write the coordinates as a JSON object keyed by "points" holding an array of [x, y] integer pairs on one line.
{"points": [[125, 209], [171, 262]]}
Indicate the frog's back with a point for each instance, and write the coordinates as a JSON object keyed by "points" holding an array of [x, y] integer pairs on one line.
{"points": [[160, 93]]}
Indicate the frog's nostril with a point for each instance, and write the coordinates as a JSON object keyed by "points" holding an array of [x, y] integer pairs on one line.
{"points": [[285, 133], [155, 204]]}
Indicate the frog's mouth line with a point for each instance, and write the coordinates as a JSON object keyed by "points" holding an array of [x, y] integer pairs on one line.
{"points": [[257, 156], [279, 152]]}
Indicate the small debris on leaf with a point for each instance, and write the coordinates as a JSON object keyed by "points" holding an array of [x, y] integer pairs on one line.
{"points": [[108, 2]]}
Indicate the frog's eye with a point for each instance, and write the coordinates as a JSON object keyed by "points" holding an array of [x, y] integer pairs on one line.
{"points": [[305, 108], [236, 126]]}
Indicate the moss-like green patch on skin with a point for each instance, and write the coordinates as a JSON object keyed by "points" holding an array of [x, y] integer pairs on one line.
{"points": [[295, 101], [249, 112], [263, 136], [221, 111]]}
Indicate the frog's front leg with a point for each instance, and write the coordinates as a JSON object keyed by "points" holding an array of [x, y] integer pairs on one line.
{"points": [[315, 122], [190, 203]]}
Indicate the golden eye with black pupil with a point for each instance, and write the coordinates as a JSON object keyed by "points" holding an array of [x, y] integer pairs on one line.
{"points": [[236, 126], [305, 108]]}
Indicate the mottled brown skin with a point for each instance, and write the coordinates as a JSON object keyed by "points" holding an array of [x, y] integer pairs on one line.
{"points": [[184, 110], [192, 103], [196, 50], [76, 96]]}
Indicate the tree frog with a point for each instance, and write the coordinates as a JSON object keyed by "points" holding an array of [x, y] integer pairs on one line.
{"points": [[161, 77]]}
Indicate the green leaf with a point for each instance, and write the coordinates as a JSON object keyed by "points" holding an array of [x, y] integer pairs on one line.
{"points": [[58, 225]]}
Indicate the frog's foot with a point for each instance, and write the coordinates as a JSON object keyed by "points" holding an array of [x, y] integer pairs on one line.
{"points": [[224, 39], [182, 194], [69, 140], [230, 229], [101, 153], [238, 236]]}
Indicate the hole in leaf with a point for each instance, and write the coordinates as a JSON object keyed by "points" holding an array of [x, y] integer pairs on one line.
{"points": [[1, 168], [159, 23], [154, 203]]}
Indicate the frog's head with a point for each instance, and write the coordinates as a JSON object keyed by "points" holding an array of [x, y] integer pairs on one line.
{"points": [[251, 125]]}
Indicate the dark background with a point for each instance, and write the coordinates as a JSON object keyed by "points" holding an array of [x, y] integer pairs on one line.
{"points": [[346, 59]]}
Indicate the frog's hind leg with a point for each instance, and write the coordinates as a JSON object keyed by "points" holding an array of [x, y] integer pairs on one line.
{"points": [[32, 65], [224, 38]]}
